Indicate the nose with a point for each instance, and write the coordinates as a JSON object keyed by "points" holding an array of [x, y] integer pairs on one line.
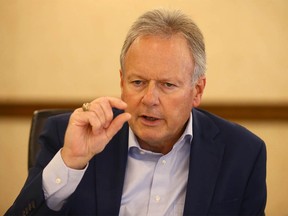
{"points": [[151, 95]]}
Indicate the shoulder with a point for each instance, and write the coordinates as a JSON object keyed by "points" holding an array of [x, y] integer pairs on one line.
{"points": [[54, 129], [56, 124], [60, 119], [229, 132]]}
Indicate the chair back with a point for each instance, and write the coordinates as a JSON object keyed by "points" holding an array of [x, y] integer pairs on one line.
{"points": [[37, 124]]}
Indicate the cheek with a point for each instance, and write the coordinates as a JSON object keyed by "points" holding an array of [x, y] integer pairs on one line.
{"points": [[124, 94], [131, 100], [182, 110], [181, 102], [179, 107], [179, 116]]}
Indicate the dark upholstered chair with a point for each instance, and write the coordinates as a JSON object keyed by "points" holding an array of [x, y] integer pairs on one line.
{"points": [[38, 121]]}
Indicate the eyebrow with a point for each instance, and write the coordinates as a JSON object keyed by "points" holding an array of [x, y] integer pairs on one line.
{"points": [[165, 79]]}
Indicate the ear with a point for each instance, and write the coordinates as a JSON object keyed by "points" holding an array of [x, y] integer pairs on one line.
{"points": [[198, 91], [121, 79]]}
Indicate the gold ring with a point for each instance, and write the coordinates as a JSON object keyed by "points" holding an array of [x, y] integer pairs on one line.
{"points": [[85, 107]]}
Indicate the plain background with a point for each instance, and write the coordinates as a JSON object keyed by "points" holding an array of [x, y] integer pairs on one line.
{"points": [[68, 50]]}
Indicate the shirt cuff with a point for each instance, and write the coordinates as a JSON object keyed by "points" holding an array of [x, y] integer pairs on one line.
{"points": [[59, 182]]}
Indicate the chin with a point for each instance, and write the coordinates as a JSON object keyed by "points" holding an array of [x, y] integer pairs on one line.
{"points": [[149, 137]]}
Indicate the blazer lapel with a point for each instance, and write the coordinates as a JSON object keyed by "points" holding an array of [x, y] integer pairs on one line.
{"points": [[205, 160], [110, 173]]}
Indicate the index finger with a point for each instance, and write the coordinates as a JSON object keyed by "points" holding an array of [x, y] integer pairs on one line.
{"points": [[116, 103]]}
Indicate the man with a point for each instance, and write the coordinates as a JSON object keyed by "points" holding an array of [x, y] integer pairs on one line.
{"points": [[167, 160]]}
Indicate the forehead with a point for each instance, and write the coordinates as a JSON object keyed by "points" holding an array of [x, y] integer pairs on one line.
{"points": [[159, 54], [173, 42]]}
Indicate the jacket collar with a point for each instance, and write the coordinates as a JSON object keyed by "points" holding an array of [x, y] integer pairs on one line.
{"points": [[205, 159], [110, 166]]}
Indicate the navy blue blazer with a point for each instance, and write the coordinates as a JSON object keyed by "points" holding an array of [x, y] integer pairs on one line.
{"points": [[227, 173]]}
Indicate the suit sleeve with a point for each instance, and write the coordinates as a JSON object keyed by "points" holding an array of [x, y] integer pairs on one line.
{"points": [[256, 193], [31, 200]]}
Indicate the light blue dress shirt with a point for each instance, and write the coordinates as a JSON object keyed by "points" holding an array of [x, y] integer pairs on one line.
{"points": [[155, 184]]}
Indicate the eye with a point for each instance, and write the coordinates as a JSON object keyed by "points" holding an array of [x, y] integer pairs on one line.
{"points": [[168, 85], [137, 82]]}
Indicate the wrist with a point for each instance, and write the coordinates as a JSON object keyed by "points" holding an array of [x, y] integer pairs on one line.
{"points": [[73, 162]]}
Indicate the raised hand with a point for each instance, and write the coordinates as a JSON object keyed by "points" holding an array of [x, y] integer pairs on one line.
{"points": [[90, 131]]}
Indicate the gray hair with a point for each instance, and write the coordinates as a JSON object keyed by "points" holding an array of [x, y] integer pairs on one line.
{"points": [[168, 23]]}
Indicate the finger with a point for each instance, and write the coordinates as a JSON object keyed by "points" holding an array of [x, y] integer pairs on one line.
{"points": [[108, 113], [117, 124], [78, 118], [106, 104], [117, 103], [84, 119], [100, 113]]}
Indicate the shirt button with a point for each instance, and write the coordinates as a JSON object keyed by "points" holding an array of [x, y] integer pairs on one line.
{"points": [[157, 198], [164, 162], [58, 180]]}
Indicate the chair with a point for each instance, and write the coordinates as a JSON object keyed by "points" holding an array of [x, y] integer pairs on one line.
{"points": [[37, 124]]}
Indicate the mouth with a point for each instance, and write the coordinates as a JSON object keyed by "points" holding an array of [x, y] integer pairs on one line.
{"points": [[150, 118]]}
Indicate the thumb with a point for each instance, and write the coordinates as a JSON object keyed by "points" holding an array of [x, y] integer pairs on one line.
{"points": [[117, 124]]}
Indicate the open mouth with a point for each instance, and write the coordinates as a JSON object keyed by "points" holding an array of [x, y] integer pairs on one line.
{"points": [[149, 118]]}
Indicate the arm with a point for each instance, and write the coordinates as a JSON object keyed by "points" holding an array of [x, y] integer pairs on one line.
{"points": [[59, 182], [87, 134], [31, 198]]}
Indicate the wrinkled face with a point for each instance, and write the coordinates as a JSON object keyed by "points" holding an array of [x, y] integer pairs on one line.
{"points": [[157, 86]]}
